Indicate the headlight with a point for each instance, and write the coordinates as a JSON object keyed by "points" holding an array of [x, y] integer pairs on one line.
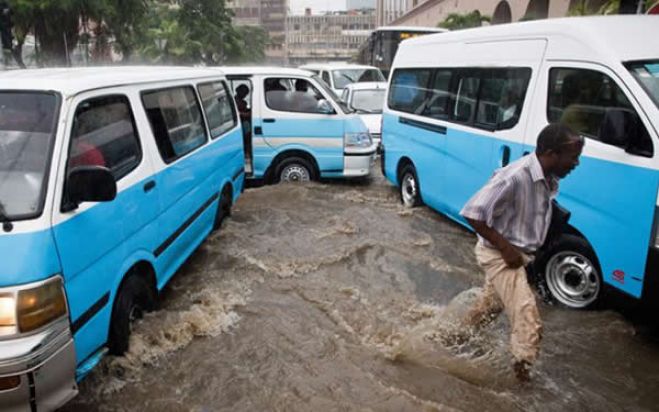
{"points": [[25, 310], [357, 140], [7, 315]]}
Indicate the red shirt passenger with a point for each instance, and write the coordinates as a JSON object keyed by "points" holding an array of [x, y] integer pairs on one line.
{"points": [[86, 155]]}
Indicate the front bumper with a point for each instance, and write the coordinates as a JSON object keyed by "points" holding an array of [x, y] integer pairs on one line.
{"points": [[359, 162], [45, 363]]}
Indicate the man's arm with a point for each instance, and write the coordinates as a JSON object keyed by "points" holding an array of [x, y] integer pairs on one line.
{"points": [[510, 254]]}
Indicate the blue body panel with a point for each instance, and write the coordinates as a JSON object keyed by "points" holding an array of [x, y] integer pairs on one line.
{"points": [[277, 138], [95, 248], [612, 204]]}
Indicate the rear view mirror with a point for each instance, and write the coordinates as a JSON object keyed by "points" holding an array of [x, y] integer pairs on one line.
{"points": [[325, 107], [623, 128], [89, 184]]}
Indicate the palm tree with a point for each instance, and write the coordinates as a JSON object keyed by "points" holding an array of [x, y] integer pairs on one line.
{"points": [[456, 21]]}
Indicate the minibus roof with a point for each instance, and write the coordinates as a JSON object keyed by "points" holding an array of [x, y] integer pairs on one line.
{"points": [[336, 66], [621, 37], [73, 80], [267, 70]]}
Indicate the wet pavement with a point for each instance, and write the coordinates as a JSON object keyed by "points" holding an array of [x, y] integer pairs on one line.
{"points": [[332, 297]]}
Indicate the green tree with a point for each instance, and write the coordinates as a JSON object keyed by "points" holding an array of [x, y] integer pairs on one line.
{"points": [[250, 47], [456, 21], [125, 21]]}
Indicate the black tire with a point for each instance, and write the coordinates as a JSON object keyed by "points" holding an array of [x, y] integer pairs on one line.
{"points": [[409, 187], [569, 273], [223, 208], [297, 168], [135, 297]]}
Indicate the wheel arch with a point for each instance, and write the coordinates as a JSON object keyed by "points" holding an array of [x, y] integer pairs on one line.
{"points": [[269, 174]]}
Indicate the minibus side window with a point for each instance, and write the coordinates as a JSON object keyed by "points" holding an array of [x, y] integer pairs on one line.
{"points": [[293, 95], [409, 90], [104, 134], [593, 105], [176, 121], [501, 97], [326, 78], [466, 97], [219, 110], [437, 107]]}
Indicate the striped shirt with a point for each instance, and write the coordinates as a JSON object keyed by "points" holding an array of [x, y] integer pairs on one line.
{"points": [[516, 202]]}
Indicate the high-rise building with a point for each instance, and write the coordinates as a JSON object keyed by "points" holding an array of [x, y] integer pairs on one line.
{"points": [[271, 16], [328, 37]]}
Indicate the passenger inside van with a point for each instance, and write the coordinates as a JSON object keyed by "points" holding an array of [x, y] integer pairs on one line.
{"points": [[245, 116]]}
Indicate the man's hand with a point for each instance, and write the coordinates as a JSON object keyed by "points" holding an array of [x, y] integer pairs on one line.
{"points": [[512, 256]]}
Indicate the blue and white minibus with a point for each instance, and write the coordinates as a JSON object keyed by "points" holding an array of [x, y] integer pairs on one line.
{"points": [[462, 104], [109, 179], [296, 128]]}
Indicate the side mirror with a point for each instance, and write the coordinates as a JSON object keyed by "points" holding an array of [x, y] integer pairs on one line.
{"points": [[325, 107], [89, 184]]}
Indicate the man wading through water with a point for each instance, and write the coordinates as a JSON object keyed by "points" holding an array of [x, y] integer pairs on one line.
{"points": [[511, 215]]}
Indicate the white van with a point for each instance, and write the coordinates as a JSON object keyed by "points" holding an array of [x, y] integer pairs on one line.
{"points": [[109, 179], [338, 75], [295, 129], [462, 104], [367, 99]]}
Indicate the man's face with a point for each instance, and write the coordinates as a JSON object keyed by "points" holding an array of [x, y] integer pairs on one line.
{"points": [[567, 159]]}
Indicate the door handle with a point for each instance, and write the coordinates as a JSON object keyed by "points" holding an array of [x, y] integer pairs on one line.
{"points": [[505, 156], [268, 120], [149, 186], [258, 130]]}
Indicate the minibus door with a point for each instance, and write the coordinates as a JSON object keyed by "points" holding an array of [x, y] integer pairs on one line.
{"points": [[612, 193], [296, 115], [93, 238]]}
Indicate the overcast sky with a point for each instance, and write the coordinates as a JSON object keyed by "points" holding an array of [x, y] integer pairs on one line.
{"points": [[317, 6]]}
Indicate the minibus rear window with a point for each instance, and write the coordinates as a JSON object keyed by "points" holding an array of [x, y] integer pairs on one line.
{"points": [[27, 132]]}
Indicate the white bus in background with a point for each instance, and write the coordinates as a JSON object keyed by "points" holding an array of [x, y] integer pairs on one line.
{"points": [[462, 104], [339, 75]]}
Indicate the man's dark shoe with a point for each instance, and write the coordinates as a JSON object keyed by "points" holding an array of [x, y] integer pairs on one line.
{"points": [[522, 370]]}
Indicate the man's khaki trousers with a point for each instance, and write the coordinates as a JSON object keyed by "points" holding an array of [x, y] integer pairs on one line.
{"points": [[508, 289]]}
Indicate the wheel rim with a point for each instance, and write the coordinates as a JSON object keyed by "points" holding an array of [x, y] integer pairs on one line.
{"points": [[134, 314], [572, 279], [408, 189], [295, 173]]}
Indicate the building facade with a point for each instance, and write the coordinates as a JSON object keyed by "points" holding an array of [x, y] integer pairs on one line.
{"points": [[326, 38], [271, 16], [389, 10], [432, 12]]}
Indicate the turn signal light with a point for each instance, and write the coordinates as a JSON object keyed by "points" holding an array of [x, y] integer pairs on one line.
{"points": [[41, 305], [9, 382]]}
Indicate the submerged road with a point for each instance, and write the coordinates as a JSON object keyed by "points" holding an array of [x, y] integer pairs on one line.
{"points": [[326, 297]]}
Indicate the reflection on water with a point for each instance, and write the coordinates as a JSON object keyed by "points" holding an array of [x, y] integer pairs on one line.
{"points": [[332, 297]]}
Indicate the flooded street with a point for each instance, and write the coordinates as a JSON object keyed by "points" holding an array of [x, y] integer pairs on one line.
{"points": [[331, 296]]}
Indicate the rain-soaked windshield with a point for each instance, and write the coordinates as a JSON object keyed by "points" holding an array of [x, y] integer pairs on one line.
{"points": [[647, 74], [344, 77], [27, 125], [369, 101]]}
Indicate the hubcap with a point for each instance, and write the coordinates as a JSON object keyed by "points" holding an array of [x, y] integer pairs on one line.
{"points": [[408, 189], [572, 279], [295, 173]]}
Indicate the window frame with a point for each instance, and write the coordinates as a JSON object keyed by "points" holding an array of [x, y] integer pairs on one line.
{"points": [[201, 112], [140, 157], [232, 104]]}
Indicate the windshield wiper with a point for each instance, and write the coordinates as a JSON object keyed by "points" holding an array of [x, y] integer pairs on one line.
{"points": [[7, 226]]}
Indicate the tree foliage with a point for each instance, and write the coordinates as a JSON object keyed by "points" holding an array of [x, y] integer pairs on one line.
{"points": [[457, 21], [163, 31]]}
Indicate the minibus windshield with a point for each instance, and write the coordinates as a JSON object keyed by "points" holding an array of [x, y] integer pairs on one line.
{"points": [[332, 95], [368, 101], [27, 129], [647, 74], [344, 77]]}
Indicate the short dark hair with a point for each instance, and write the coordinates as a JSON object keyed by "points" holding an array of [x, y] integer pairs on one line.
{"points": [[555, 136]]}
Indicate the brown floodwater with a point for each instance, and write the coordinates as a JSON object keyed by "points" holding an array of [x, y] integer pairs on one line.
{"points": [[332, 297]]}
